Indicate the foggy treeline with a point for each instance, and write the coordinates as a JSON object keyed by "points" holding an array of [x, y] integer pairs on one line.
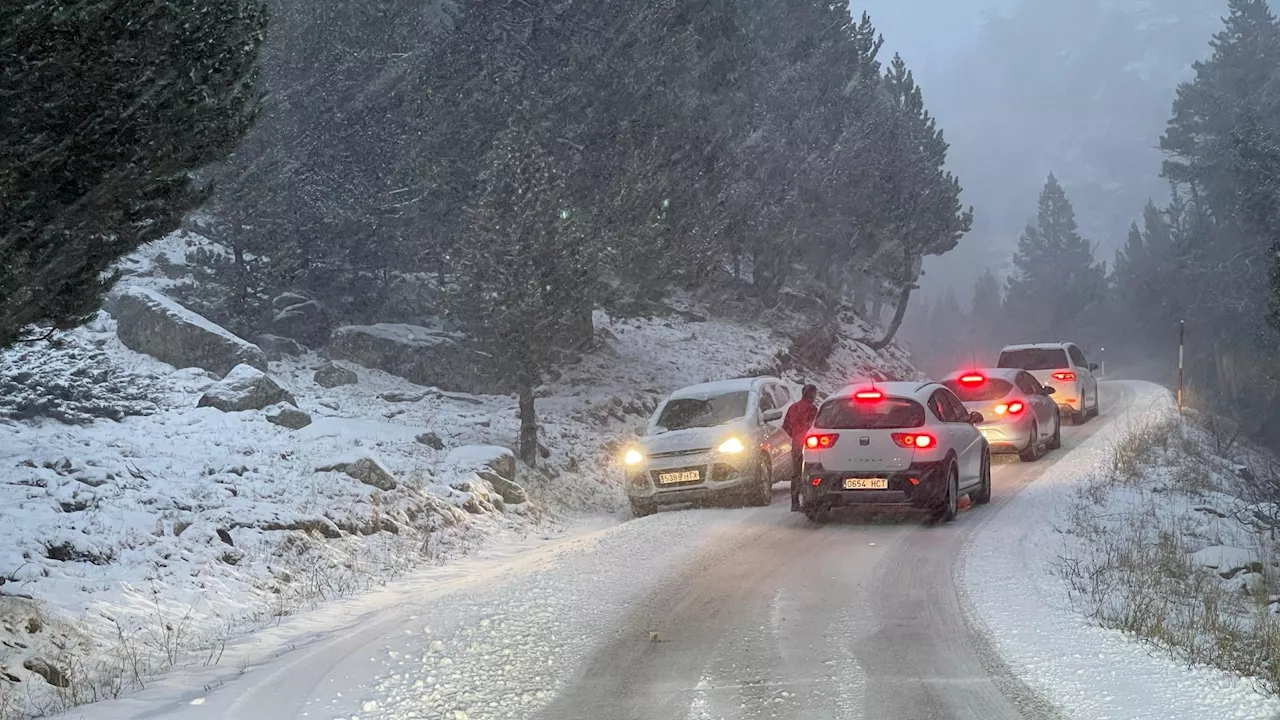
{"points": [[1205, 253]]}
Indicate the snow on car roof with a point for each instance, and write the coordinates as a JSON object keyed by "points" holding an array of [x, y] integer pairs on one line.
{"points": [[719, 387], [1037, 346], [915, 390]]}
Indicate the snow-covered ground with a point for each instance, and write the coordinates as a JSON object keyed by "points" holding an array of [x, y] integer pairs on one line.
{"points": [[143, 532], [1014, 576]]}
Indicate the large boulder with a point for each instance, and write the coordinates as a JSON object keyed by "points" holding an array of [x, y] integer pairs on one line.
{"points": [[331, 376], [368, 470], [155, 325], [484, 457], [512, 492], [245, 388], [299, 318], [421, 355]]}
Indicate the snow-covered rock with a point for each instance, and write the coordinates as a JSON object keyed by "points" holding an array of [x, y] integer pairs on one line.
{"points": [[277, 347], [332, 376], [368, 470], [288, 416], [153, 324], [476, 457], [418, 354], [431, 440], [305, 321], [1227, 561], [245, 388]]}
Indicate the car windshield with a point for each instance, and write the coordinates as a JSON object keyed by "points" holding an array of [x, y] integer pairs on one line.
{"points": [[685, 413], [1034, 359], [989, 389], [851, 414]]}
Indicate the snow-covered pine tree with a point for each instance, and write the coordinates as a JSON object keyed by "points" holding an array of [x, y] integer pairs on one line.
{"points": [[109, 107]]}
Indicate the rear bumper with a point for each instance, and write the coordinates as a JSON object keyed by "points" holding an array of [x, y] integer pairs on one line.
{"points": [[928, 489], [1007, 437]]}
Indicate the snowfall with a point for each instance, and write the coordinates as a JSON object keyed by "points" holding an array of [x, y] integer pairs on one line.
{"points": [[197, 564]]}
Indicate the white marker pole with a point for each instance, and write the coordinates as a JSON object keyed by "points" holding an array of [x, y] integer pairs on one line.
{"points": [[1182, 338]]}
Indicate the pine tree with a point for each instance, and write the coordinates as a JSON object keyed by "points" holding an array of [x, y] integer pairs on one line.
{"points": [[108, 110], [1056, 278]]}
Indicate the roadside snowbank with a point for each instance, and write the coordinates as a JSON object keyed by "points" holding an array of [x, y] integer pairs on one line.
{"points": [[1023, 603]]}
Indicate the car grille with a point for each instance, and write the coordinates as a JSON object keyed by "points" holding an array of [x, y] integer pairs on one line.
{"points": [[679, 453]]}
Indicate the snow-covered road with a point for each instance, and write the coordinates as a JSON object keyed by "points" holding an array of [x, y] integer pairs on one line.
{"points": [[699, 614]]}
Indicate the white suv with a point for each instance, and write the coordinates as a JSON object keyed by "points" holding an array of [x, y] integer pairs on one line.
{"points": [[899, 442], [1063, 367], [721, 439]]}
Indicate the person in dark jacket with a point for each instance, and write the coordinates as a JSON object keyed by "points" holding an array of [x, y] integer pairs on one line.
{"points": [[796, 424]]}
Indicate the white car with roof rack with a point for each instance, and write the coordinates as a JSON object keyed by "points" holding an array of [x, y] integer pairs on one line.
{"points": [[1063, 367], [895, 443], [1019, 414], [714, 440]]}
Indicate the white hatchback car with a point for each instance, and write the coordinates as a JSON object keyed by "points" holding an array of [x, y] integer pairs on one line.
{"points": [[721, 439], [1019, 414], [1063, 367], [892, 443]]}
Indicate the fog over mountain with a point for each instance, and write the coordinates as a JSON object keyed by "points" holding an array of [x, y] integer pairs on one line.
{"points": [[1023, 88]]}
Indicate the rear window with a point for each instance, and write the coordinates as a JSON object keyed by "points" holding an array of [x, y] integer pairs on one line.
{"points": [[683, 413], [991, 389], [1034, 359], [851, 414]]}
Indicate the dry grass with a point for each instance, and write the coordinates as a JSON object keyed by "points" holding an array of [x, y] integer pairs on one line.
{"points": [[1128, 564]]}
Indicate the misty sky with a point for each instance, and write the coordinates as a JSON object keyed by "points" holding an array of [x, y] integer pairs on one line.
{"points": [[928, 32]]}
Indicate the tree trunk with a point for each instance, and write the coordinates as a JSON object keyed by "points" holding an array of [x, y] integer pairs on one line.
{"points": [[526, 380], [898, 314], [877, 304]]}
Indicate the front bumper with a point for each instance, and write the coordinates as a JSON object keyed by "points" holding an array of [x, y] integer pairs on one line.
{"points": [[922, 484], [719, 474]]}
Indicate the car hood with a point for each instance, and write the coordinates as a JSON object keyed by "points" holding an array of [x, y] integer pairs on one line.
{"points": [[690, 439]]}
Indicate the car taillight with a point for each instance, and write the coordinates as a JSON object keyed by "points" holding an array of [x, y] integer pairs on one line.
{"points": [[869, 395], [1064, 376], [820, 441], [972, 379], [918, 441], [1012, 408]]}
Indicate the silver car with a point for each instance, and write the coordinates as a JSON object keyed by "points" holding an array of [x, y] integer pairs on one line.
{"points": [[1019, 414], [1063, 367], [716, 440]]}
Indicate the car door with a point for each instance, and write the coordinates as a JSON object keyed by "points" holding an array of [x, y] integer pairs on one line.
{"points": [[1043, 405], [782, 441], [1090, 385], [772, 435], [962, 436]]}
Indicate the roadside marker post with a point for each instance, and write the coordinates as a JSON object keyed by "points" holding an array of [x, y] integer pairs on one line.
{"points": [[1182, 340]]}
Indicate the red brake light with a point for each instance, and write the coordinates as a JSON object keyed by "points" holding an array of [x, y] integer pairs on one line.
{"points": [[1015, 408], [1066, 376], [869, 395], [918, 441], [973, 379], [820, 441], [1012, 408]]}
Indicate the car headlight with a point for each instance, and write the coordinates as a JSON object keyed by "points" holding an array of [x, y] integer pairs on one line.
{"points": [[732, 446], [633, 457]]}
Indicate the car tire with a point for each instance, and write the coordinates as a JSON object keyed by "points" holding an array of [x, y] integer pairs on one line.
{"points": [[982, 495], [1097, 403], [818, 515], [951, 496], [1055, 442], [643, 508], [760, 493], [1032, 452]]}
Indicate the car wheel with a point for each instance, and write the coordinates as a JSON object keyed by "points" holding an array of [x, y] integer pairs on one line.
{"points": [[760, 493], [1055, 442], [1097, 405], [643, 508], [951, 502], [1031, 452], [819, 514], [982, 495]]}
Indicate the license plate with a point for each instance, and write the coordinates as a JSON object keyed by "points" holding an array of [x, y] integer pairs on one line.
{"points": [[866, 484], [675, 478]]}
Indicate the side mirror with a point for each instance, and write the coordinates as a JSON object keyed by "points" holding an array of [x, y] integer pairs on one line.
{"points": [[640, 431], [1048, 390], [975, 418], [771, 416], [1093, 367]]}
